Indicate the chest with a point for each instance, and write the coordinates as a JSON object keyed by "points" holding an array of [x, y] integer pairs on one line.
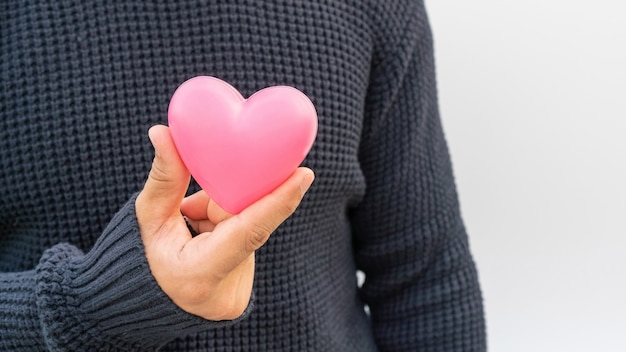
{"points": [[81, 85]]}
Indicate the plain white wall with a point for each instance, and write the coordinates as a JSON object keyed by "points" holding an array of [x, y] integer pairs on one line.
{"points": [[533, 99]]}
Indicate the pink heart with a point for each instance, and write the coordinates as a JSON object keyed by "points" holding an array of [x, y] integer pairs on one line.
{"points": [[237, 149]]}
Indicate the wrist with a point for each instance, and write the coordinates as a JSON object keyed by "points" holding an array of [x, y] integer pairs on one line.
{"points": [[108, 296]]}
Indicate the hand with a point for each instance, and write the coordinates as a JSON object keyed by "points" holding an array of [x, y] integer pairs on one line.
{"points": [[209, 275]]}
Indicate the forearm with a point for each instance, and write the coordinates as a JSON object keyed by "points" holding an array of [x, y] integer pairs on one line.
{"points": [[105, 299]]}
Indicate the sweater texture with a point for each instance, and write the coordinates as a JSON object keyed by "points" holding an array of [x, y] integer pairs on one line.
{"points": [[81, 83]]}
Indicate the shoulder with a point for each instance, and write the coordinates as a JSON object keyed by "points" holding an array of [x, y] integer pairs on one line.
{"points": [[400, 25]]}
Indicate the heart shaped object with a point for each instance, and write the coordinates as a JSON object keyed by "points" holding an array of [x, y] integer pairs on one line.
{"points": [[237, 149]]}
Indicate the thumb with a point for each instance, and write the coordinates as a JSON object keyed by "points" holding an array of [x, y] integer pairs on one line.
{"points": [[167, 181], [237, 238]]}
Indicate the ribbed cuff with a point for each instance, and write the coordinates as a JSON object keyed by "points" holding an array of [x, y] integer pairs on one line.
{"points": [[108, 299]]}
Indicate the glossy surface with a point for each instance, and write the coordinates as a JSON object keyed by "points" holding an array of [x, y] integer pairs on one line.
{"points": [[237, 149]]}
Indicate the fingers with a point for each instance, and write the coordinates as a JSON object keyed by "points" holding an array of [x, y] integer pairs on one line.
{"points": [[200, 226], [200, 206], [217, 214], [195, 206], [236, 239], [167, 181]]}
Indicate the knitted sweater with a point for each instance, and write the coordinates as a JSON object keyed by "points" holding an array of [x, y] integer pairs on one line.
{"points": [[83, 81]]}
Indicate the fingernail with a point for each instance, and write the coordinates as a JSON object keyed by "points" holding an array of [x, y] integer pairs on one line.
{"points": [[306, 181]]}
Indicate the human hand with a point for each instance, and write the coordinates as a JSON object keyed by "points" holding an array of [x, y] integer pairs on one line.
{"points": [[211, 274]]}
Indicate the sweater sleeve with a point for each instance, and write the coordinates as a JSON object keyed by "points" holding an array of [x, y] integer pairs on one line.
{"points": [[104, 300], [421, 284]]}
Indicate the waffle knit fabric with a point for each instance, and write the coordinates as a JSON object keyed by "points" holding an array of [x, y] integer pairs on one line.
{"points": [[83, 81]]}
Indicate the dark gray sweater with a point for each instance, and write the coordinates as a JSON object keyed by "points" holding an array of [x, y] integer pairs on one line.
{"points": [[81, 83]]}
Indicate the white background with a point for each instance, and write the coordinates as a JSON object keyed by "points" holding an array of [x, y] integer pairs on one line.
{"points": [[533, 99]]}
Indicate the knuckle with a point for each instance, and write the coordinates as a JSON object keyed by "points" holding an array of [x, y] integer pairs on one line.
{"points": [[283, 210], [288, 208], [158, 174], [259, 234]]}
